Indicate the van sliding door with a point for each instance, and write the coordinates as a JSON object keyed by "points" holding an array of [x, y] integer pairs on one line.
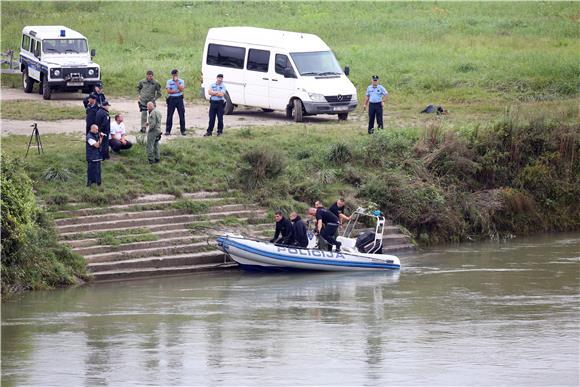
{"points": [[257, 78], [283, 82]]}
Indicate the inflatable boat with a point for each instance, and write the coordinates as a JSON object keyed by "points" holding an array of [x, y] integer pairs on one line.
{"points": [[361, 253]]}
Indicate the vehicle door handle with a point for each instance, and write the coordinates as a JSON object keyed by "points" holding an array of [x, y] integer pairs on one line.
{"points": [[265, 79], [274, 80]]}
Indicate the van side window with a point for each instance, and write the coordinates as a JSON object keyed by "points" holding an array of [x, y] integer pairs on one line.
{"points": [[284, 67], [26, 42], [226, 56], [258, 60]]}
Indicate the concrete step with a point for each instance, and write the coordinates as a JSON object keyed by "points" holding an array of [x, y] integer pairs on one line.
{"points": [[146, 214], [395, 239], [150, 252], [174, 260], [116, 275], [134, 207], [155, 221], [101, 249], [177, 226], [394, 249]]}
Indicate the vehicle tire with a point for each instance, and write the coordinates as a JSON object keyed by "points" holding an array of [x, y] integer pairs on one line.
{"points": [[297, 110], [46, 92], [342, 116], [27, 82], [288, 111], [229, 109], [267, 110]]}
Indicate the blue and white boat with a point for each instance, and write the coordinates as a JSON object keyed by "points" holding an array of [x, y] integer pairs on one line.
{"points": [[362, 253]]}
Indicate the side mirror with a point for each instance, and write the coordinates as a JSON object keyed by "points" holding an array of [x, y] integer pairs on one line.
{"points": [[93, 52], [346, 71]]}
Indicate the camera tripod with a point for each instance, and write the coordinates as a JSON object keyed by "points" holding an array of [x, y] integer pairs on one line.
{"points": [[36, 135]]}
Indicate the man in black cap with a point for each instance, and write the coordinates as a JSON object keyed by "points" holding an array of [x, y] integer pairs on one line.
{"points": [[217, 101], [91, 109], [376, 96], [103, 121], [174, 87], [99, 94]]}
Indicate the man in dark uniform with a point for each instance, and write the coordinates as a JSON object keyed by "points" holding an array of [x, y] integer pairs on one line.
{"points": [[93, 143], [326, 225], [98, 94], [284, 227], [174, 87], [91, 110], [376, 96], [299, 230], [103, 121], [338, 209]]}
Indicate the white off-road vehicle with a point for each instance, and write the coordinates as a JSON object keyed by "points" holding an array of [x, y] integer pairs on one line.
{"points": [[57, 58]]}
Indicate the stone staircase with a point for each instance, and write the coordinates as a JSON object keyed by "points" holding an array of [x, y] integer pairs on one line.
{"points": [[164, 235]]}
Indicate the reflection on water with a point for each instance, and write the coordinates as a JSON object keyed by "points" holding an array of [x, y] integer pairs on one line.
{"points": [[487, 314]]}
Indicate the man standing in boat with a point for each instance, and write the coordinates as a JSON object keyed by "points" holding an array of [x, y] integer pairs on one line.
{"points": [[326, 225], [284, 233]]}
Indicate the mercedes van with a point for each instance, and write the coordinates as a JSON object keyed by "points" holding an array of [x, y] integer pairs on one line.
{"points": [[277, 70]]}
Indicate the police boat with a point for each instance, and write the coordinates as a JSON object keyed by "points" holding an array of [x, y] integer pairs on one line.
{"points": [[361, 253]]}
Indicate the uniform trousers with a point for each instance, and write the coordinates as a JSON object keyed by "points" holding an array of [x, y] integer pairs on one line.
{"points": [[375, 110], [172, 104], [327, 233], [93, 172], [153, 152], [216, 108]]}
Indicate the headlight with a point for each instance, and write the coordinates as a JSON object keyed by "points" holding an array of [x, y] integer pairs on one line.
{"points": [[316, 97], [91, 72], [56, 73]]}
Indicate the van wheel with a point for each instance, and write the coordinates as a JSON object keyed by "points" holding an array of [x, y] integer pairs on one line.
{"points": [[288, 111], [27, 82], [297, 111], [267, 110], [342, 116], [229, 109], [45, 88]]}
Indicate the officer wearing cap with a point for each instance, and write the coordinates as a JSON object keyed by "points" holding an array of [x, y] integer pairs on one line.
{"points": [[217, 102], [149, 90], [91, 109], [174, 87], [103, 121], [99, 94], [376, 96]]}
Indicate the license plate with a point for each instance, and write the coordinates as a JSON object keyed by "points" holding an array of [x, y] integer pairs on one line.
{"points": [[74, 83], [340, 108]]}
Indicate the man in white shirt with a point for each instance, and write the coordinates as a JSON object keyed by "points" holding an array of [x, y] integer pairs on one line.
{"points": [[118, 139]]}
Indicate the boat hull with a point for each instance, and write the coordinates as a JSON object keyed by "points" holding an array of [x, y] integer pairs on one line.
{"points": [[255, 255]]}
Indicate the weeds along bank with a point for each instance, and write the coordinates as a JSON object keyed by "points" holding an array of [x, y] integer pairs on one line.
{"points": [[425, 52], [32, 258]]}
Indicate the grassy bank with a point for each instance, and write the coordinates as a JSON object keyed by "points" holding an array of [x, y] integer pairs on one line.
{"points": [[32, 258], [45, 111], [516, 175], [426, 52]]}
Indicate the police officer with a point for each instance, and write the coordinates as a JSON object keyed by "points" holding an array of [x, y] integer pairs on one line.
{"points": [[283, 227], [91, 110], [338, 209], [217, 102], [299, 229], [149, 90], [326, 225], [174, 87], [103, 121], [154, 133], [99, 94], [375, 100]]}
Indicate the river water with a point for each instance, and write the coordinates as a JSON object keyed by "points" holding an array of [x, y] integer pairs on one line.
{"points": [[494, 313]]}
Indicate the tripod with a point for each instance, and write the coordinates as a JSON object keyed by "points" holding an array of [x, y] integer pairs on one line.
{"points": [[36, 135]]}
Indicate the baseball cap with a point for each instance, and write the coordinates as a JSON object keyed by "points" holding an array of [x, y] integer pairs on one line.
{"points": [[99, 84], [174, 71], [375, 77]]}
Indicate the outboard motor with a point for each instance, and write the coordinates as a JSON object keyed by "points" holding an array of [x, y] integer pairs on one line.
{"points": [[367, 243]]}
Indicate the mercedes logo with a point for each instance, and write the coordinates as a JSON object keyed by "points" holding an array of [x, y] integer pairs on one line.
{"points": [[339, 97]]}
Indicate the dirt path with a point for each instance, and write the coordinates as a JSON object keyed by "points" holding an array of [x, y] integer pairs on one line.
{"points": [[195, 116]]}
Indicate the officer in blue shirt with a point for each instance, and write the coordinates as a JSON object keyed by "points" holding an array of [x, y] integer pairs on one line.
{"points": [[375, 100], [174, 87], [217, 103]]}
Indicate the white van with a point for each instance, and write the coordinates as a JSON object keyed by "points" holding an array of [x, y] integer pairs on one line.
{"points": [[277, 70]]}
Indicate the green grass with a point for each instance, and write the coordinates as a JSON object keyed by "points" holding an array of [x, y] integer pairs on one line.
{"points": [[117, 238], [425, 52], [45, 111]]}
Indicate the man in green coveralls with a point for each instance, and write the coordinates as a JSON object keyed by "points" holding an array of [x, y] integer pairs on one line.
{"points": [[149, 90], [154, 133]]}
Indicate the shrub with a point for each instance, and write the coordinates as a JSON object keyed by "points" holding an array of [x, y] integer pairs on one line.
{"points": [[339, 153], [56, 173], [257, 166]]}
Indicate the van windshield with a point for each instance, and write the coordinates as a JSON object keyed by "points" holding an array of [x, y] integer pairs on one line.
{"points": [[316, 63], [63, 46]]}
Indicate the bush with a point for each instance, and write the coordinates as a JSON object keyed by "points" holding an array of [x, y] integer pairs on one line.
{"points": [[339, 154], [257, 166]]}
